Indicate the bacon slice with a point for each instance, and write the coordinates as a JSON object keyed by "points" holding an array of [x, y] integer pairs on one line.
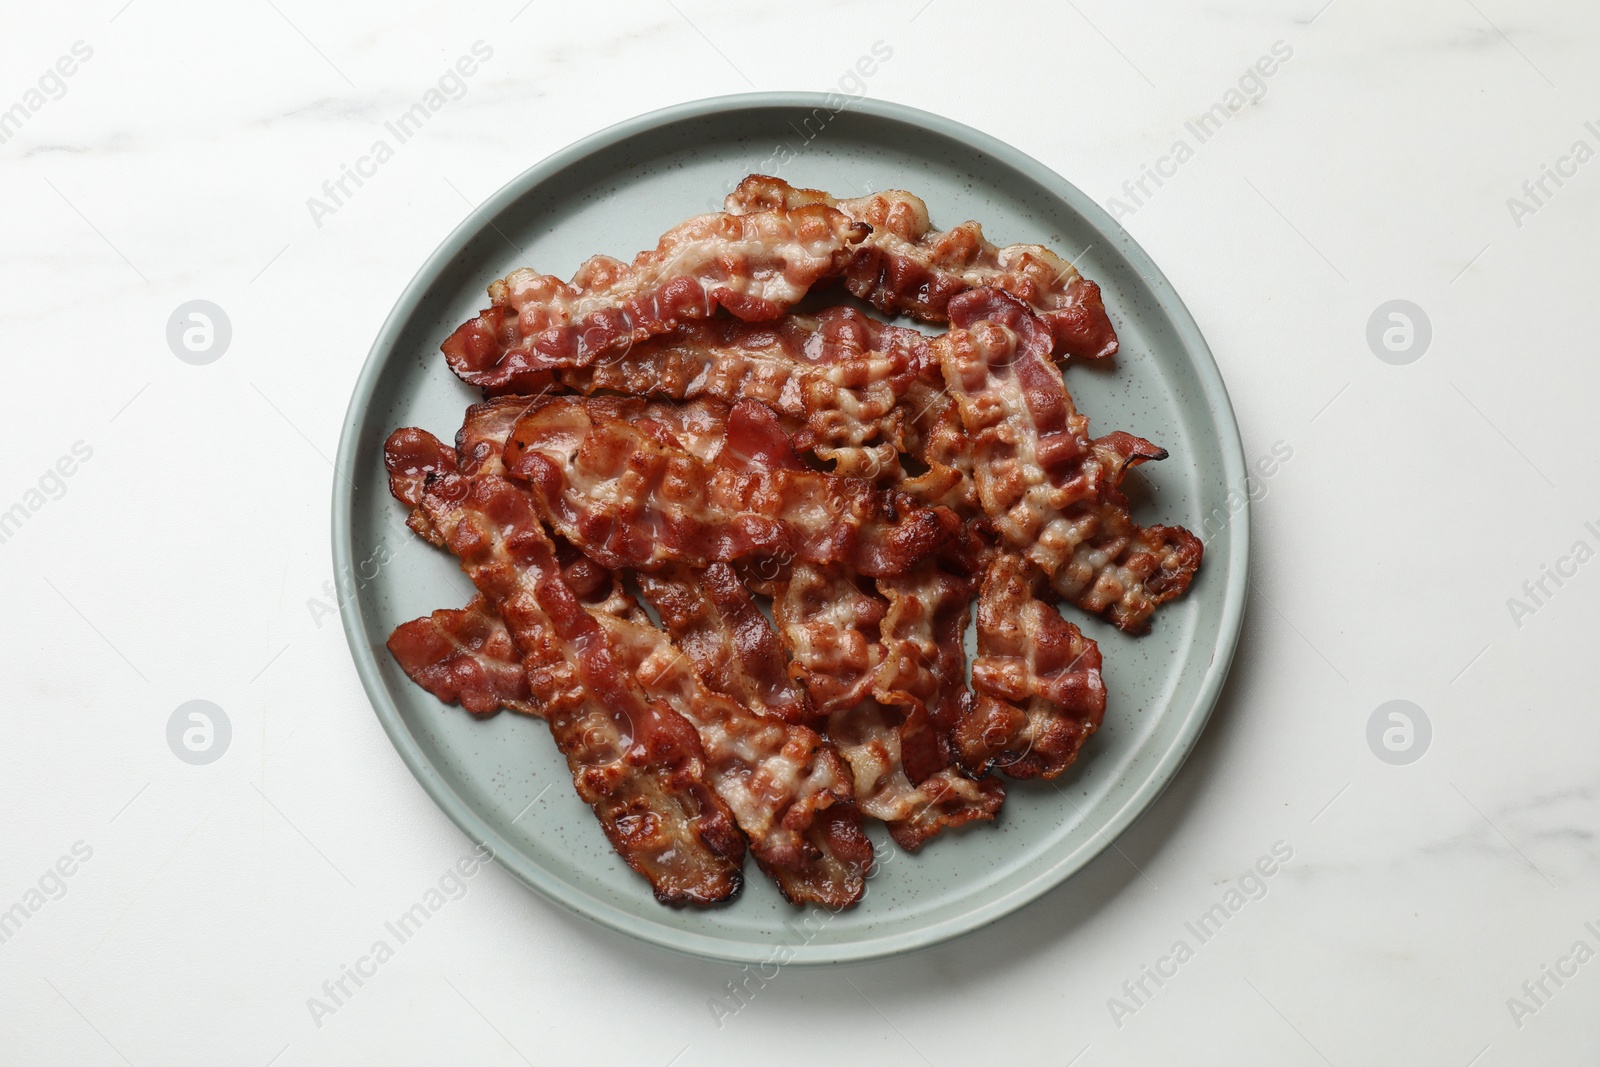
{"points": [[830, 625], [908, 267], [1050, 491], [632, 498], [465, 656], [714, 619], [787, 787], [1037, 677], [939, 442], [756, 265], [637, 762], [924, 667], [836, 378]]}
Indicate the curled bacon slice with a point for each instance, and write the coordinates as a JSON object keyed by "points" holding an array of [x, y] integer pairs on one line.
{"points": [[632, 498], [637, 762], [1050, 491], [837, 378], [908, 267], [1039, 691], [712, 616], [830, 626], [465, 656], [756, 265], [411, 456]]}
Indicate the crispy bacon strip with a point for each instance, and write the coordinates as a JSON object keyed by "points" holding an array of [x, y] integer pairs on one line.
{"points": [[714, 619], [756, 265], [1050, 491], [908, 267], [636, 762], [787, 787], [465, 656], [836, 378], [632, 498], [924, 667], [830, 626], [1037, 677]]}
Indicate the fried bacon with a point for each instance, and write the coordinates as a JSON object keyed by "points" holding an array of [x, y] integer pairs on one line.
{"points": [[1050, 491], [756, 265], [939, 443], [835, 378], [1039, 692], [465, 655], [924, 668], [786, 787], [712, 616], [830, 627], [907, 267], [871, 480], [789, 790], [637, 762], [630, 497], [411, 456]]}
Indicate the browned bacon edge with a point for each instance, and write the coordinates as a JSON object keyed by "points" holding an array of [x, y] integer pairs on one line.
{"points": [[631, 497], [907, 267], [830, 626], [756, 265], [1051, 492], [637, 763], [1039, 691], [465, 656]]}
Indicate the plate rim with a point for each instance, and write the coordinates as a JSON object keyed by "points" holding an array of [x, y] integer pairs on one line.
{"points": [[553, 888]]}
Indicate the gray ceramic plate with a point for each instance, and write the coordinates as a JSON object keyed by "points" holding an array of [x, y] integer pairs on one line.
{"points": [[503, 782]]}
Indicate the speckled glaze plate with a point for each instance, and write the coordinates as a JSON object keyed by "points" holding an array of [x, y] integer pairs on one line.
{"points": [[504, 783]]}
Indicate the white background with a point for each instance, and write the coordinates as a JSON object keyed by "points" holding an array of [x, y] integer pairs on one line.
{"points": [[186, 556]]}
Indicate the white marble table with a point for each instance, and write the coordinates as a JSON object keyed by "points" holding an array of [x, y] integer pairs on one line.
{"points": [[1418, 544]]}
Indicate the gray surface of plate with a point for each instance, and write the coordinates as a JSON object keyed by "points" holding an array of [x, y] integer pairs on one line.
{"points": [[616, 192]]}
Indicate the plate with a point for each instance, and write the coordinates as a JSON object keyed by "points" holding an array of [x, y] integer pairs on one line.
{"points": [[503, 782]]}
